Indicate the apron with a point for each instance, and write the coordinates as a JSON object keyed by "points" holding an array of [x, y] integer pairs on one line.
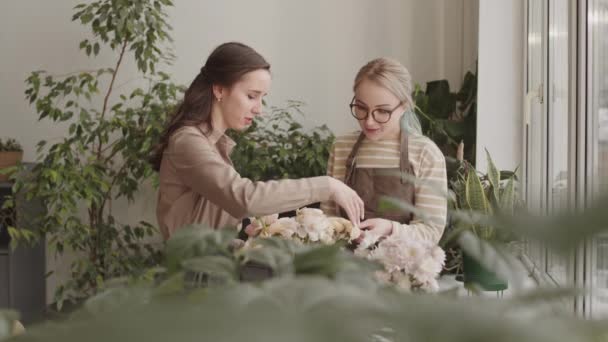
{"points": [[372, 184]]}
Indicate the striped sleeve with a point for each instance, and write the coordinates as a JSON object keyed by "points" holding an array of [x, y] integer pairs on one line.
{"points": [[430, 198]]}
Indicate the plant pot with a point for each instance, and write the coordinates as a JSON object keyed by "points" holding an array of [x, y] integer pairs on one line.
{"points": [[9, 159], [475, 273], [255, 272]]}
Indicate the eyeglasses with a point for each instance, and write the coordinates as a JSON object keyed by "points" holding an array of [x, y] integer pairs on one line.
{"points": [[379, 115]]}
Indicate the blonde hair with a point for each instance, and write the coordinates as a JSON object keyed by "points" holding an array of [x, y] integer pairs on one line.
{"points": [[393, 76]]}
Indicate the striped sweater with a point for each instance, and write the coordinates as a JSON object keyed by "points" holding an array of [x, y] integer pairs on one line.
{"points": [[429, 167]]}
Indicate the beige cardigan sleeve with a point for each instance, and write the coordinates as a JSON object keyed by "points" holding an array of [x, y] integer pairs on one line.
{"points": [[200, 166], [330, 207]]}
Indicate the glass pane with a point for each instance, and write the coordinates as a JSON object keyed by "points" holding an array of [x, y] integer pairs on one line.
{"points": [[534, 132], [559, 137], [598, 107]]}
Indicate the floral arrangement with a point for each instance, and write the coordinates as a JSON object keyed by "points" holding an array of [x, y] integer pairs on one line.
{"points": [[309, 225], [409, 263]]}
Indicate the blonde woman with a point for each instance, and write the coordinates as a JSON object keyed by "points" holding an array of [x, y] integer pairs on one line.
{"points": [[390, 144]]}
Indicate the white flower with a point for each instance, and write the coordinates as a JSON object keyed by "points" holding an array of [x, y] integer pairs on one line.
{"points": [[314, 223], [438, 255], [412, 263], [402, 281], [415, 251], [343, 229], [301, 232], [355, 232], [427, 271], [286, 227], [327, 237], [309, 212], [269, 219]]}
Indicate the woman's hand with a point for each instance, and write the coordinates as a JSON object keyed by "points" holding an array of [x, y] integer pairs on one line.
{"points": [[379, 226], [348, 199], [373, 230]]}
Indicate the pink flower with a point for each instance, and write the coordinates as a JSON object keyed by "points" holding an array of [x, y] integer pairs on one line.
{"points": [[254, 228]]}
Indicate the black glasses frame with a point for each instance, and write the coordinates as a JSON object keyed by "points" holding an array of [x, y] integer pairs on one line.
{"points": [[352, 105]]}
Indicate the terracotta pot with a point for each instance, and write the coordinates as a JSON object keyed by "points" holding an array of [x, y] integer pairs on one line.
{"points": [[9, 159]]}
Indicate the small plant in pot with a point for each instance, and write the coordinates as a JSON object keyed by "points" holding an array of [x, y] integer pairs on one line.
{"points": [[11, 155], [493, 193]]}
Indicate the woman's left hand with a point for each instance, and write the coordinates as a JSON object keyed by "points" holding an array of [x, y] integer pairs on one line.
{"points": [[380, 227]]}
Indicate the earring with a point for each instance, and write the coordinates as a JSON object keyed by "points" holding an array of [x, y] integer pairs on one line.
{"points": [[219, 99]]}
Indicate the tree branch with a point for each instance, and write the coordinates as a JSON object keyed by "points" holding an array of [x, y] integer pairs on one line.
{"points": [[107, 97], [108, 194]]}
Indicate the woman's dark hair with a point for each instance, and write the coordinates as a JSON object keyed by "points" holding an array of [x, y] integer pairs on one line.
{"points": [[225, 66]]}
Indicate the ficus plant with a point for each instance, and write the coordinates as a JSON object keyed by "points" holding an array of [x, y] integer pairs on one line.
{"points": [[103, 156]]}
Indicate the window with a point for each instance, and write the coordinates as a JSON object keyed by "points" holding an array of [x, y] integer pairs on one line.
{"points": [[597, 108], [566, 130]]}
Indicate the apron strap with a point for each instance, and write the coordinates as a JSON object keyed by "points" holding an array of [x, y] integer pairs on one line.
{"points": [[350, 161], [404, 163]]}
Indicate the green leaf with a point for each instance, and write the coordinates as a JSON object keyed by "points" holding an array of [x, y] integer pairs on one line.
{"points": [[86, 18], [215, 266], [441, 101], [278, 258], [475, 194], [493, 177], [322, 260], [507, 198]]}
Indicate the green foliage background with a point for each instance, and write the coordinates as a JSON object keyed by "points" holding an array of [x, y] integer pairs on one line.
{"points": [[277, 146]]}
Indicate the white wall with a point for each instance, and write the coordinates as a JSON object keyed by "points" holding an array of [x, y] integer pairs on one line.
{"points": [[499, 108], [315, 48]]}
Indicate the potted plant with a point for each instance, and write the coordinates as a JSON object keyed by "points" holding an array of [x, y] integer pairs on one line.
{"points": [[449, 118], [103, 156], [493, 193], [11, 155]]}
